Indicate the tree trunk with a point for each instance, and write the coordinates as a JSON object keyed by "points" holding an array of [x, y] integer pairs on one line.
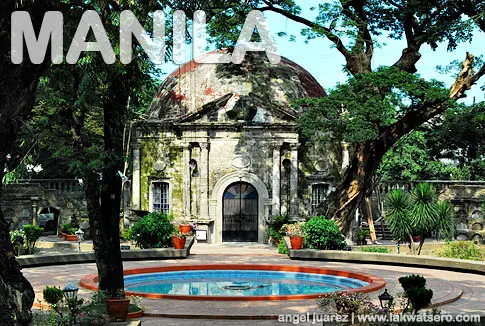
{"points": [[358, 181], [105, 232], [16, 293], [421, 243], [104, 199], [18, 84]]}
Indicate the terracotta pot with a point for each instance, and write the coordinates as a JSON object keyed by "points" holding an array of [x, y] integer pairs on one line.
{"points": [[118, 308], [296, 242], [179, 243], [69, 237], [185, 228], [135, 314]]}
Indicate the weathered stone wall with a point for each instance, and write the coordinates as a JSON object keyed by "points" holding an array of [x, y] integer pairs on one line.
{"points": [[161, 161], [21, 201], [466, 197]]}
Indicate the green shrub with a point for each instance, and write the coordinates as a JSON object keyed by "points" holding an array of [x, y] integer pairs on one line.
{"points": [[68, 228], [17, 237], [32, 234], [419, 297], [361, 235], [416, 292], [125, 234], [282, 248], [462, 250], [275, 227], [321, 233], [53, 295], [152, 231], [274, 235], [410, 281], [380, 250]]}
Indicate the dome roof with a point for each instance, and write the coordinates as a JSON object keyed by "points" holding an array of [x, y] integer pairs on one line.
{"points": [[192, 86]]}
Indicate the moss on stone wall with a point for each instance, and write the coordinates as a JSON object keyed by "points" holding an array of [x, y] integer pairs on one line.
{"points": [[177, 178], [147, 160]]}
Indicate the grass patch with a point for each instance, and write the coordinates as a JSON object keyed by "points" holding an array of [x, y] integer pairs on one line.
{"points": [[462, 250], [381, 250]]}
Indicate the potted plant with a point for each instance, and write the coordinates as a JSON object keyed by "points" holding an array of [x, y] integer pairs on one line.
{"points": [[275, 228], [117, 306], [68, 232], [184, 225], [361, 236], [295, 232], [179, 238]]}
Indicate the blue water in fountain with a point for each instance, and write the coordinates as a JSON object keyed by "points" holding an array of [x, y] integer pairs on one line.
{"points": [[238, 283]]}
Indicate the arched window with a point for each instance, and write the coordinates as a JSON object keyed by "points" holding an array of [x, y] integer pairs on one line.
{"points": [[161, 197]]}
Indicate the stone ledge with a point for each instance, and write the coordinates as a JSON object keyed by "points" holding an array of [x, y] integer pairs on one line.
{"points": [[126, 323], [459, 265], [88, 257]]}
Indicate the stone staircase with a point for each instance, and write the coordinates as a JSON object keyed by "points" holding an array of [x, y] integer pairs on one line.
{"points": [[382, 230]]}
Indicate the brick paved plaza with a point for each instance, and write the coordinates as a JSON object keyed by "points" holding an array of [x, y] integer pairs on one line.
{"points": [[446, 285]]}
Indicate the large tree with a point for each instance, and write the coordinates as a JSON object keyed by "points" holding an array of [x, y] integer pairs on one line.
{"points": [[451, 147], [459, 136], [18, 86], [353, 27], [17, 94]]}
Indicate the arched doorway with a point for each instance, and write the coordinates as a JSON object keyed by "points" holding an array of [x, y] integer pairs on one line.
{"points": [[240, 213], [48, 218]]}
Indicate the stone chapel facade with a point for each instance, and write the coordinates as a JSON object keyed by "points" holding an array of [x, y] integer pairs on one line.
{"points": [[220, 147]]}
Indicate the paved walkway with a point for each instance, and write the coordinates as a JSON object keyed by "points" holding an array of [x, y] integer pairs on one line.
{"points": [[445, 285]]}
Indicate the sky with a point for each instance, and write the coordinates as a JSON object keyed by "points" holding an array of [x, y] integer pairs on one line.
{"points": [[325, 63]]}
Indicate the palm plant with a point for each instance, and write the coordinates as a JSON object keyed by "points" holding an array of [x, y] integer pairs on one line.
{"points": [[398, 217], [424, 211], [418, 214], [446, 220]]}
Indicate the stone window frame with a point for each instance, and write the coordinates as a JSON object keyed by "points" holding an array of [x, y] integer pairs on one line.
{"points": [[313, 186], [169, 195]]}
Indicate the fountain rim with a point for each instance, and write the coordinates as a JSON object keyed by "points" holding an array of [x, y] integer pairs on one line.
{"points": [[375, 282]]}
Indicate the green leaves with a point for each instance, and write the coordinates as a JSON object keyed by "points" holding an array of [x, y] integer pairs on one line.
{"points": [[416, 292], [360, 109], [424, 211], [462, 250], [321, 233], [398, 215], [446, 220], [418, 213], [152, 231]]}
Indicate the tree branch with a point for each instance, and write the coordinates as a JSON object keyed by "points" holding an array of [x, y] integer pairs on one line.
{"points": [[324, 30], [410, 55], [418, 116]]}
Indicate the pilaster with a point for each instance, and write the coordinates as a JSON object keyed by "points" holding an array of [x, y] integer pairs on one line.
{"points": [[136, 177], [276, 180], [294, 204], [204, 180], [186, 180]]}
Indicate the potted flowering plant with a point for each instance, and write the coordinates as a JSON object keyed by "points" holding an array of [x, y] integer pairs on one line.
{"points": [[179, 237], [184, 225], [295, 232]]}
